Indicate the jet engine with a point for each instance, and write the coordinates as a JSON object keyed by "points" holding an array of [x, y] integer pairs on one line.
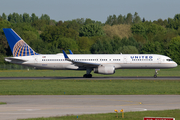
{"points": [[105, 70]]}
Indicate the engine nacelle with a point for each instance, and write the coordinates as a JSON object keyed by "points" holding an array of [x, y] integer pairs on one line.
{"points": [[105, 70]]}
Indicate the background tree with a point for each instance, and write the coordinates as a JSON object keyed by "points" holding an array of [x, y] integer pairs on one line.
{"points": [[152, 48], [174, 23], [129, 18], [70, 24], [16, 17], [84, 44], [45, 17], [10, 18], [4, 47], [80, 21], [33, 17], [4, 24], [39, 24], [143, 20], [114, 19], [109, 20], [26, 18], [66, 44], [177, 17], [120, 19], [90, 30], [102, 46], [4, 16], [52, 33], [127, 50], [136, 18], [138, 29], [88, 21], [122, 30], [174, 51]]}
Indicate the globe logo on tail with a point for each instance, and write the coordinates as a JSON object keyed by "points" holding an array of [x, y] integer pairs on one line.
{"points": [[21, 48]]}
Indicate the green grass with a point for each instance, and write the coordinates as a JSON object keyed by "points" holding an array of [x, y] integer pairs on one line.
{"points": [[1, 103], [75, 73], [112, 116], [89, 87]]}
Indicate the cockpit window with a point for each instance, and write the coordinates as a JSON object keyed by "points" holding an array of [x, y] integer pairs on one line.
{"points": [[169, 60]]}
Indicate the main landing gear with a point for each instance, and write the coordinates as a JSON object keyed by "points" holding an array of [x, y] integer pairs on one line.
{"points": [[156, 72], [88, 75]]}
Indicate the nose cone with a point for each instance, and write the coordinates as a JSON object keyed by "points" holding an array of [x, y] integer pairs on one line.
{"points": [[175, 64]]}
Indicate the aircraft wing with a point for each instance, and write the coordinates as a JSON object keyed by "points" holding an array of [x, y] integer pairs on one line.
{"points": [[81, 64], [10, 59], [85, 64]]}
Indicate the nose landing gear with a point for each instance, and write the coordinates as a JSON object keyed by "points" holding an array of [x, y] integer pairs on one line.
{"points": [[156, 72]]}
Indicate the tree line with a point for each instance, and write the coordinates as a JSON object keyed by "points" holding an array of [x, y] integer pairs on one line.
{"points": [[119, 34]]}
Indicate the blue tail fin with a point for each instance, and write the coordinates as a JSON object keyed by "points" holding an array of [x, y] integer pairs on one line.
{"points": [[18, 46], [70, 52]]}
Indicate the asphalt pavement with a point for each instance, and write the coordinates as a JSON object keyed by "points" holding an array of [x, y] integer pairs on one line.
{"points": [[33, 106]]}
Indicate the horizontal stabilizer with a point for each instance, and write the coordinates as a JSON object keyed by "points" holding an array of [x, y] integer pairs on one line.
{"points": [[11, 59]]}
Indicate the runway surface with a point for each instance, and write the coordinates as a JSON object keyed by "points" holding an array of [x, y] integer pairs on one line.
{"points": [[93, 78], [32, 106]]}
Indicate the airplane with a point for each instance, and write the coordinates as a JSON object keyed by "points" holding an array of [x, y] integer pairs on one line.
{"points": [[106, 64]]}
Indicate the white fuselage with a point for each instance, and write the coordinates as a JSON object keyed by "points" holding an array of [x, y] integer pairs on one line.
{"points": [[119, 61]]}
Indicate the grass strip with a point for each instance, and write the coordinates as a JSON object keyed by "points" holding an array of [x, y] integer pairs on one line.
{"points": [[75, 73], [89, 87], [1, 103], [112, 116]]}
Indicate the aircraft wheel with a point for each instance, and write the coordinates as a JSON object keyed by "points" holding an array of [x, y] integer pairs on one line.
{"points": [[87, 76], [90, 76], [155, 76]]}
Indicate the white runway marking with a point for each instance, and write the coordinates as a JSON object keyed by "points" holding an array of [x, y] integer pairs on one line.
{"points": [[28, 109], [140, 109]]}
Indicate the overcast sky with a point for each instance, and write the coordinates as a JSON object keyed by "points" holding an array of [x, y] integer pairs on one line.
{"points": [[97, 10]]}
